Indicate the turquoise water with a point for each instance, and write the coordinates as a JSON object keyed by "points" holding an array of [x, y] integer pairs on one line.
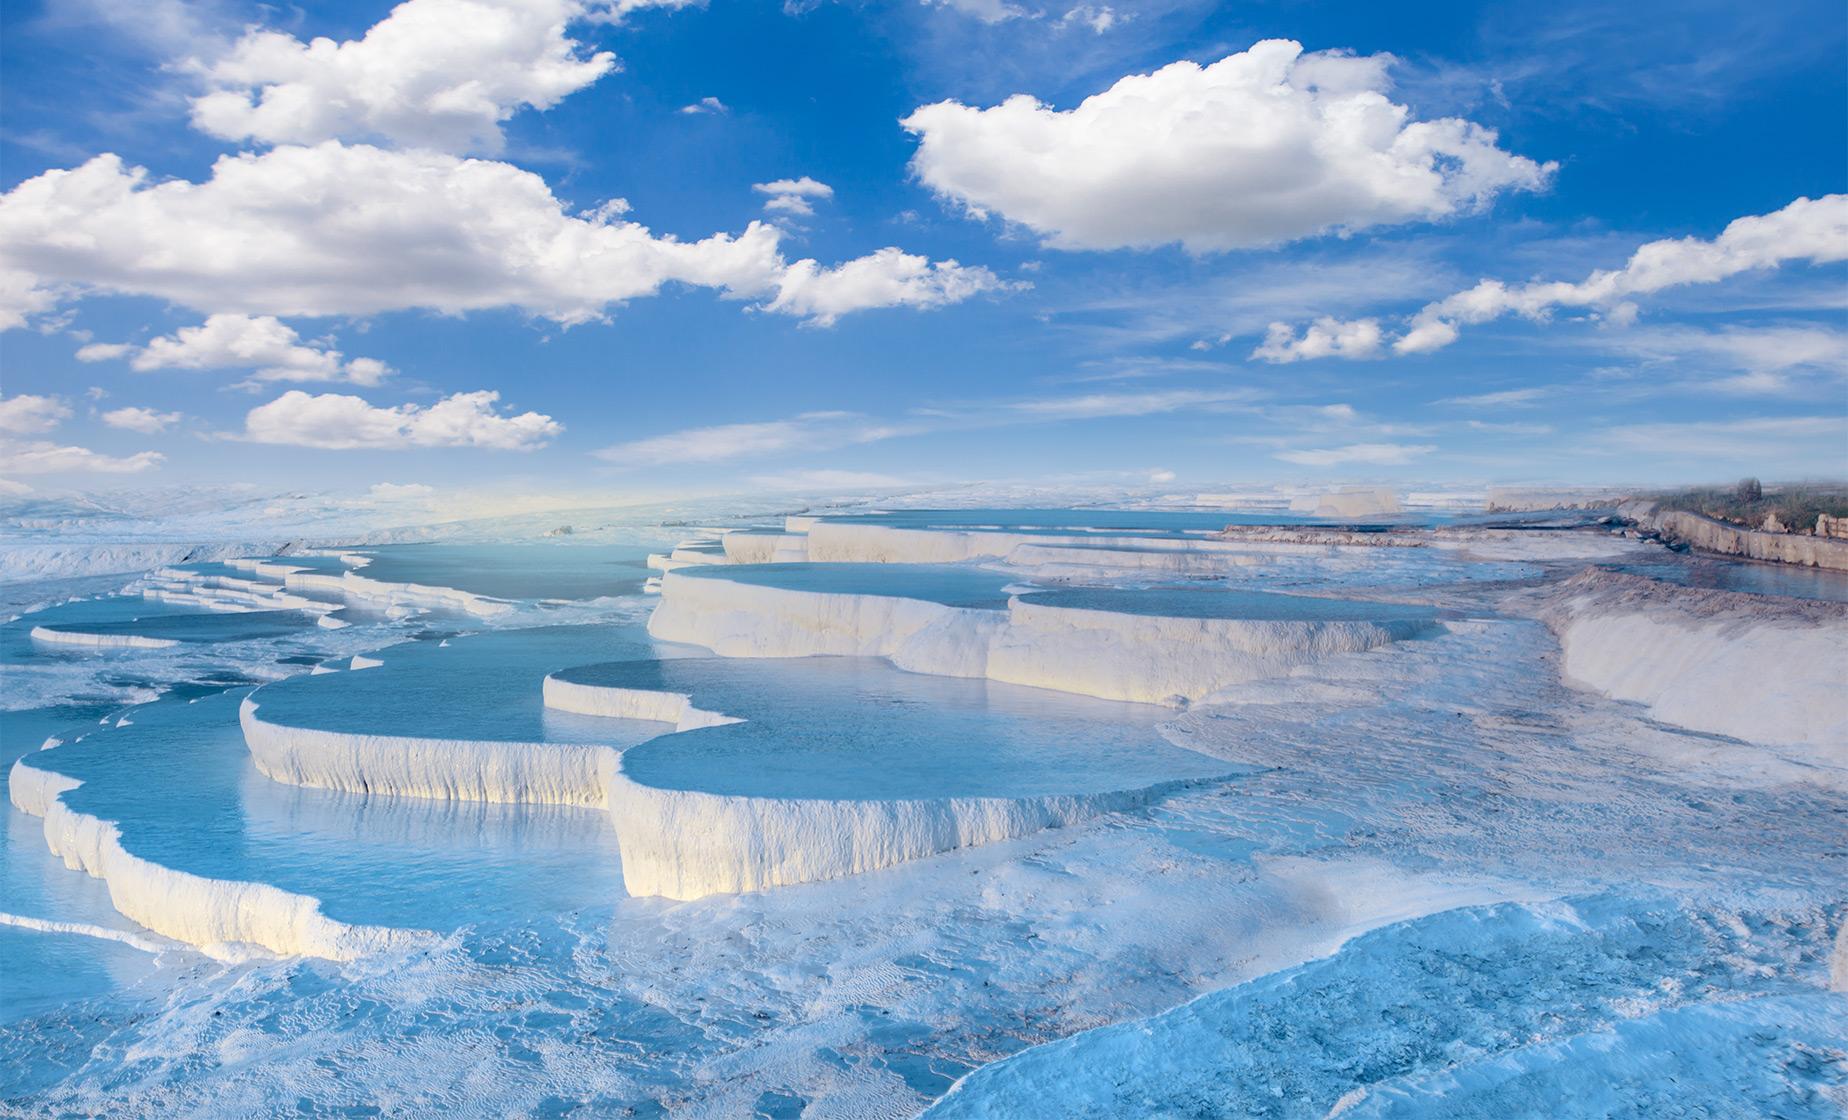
{"points": [[1783, 580], [486, 687], [856, 728], [1220, 603], [950, 585], [1157, 523], [220, 626], [370, 859], [513, 571], [323, 564]]}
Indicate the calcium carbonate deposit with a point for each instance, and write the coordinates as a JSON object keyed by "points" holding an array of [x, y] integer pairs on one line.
{"points": [[1348, 811]]}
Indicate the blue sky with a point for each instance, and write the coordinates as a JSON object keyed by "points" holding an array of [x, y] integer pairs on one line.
{"points": [[1266, 270]]}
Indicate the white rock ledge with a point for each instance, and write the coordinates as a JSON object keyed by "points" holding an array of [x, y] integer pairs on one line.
{"points": [[748, 620], [222, 917], [445, 769], [676, 843], [686, 844], [1761, 668], [1109, 655], [381, 593], [1159, 659], [98, 641]]}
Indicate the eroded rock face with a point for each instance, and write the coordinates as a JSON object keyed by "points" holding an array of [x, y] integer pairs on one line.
{"points": [[1820, 551]]}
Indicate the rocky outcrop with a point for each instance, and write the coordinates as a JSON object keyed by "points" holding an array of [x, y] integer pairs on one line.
{"points": [[1516, 499], [1708, 535]]}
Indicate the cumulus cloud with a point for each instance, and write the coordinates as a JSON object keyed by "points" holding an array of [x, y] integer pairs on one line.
{"points": [[886, 278], [440, 74], [810, 431], [22, 295], [261, 343], [45, 457], [1263, 147], [1373, 454], [1325, 338], [355, 230], [27, 414], [339, 422], [791, 196], [147, 421], [705, 105]]}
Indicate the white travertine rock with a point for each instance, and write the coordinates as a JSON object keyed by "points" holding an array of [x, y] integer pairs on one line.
{"points": [[1754, 667], [451, 769], [382, 593], [98, 641], [1153, 659], [219, 916], [687, 844], [745, 620], [1110, 655]]}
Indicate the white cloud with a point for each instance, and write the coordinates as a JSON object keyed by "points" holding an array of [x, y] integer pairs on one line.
{"points": [[1810, 230], [1327, 337], [988, 11], [1374, 454], [812, 188], [354, 230], [46, 457], [440, 74], [1262, 147], [231, 341], [824, 431], [1094, 405], [615, 11], [1765, 443], [886, 278], [1161, 476], [26, 414], [1100, 18], [791, 196], [704, 105], [147, 421], [1506, 398], [1765, 353], [21, 296], [811, 431], [339, 422]]}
